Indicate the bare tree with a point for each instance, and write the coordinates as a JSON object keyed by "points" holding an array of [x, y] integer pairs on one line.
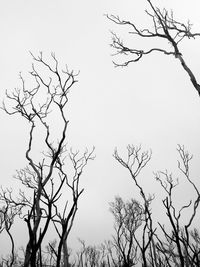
{"points": [[128, 217], [51, 253], [176, 243], [63, 222], [181, 244], [91, 256], [135, 162], [8, 212], [165, 27], [43, 107]]}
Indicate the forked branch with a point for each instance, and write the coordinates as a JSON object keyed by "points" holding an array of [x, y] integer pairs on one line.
{"points": [[163, 26]]}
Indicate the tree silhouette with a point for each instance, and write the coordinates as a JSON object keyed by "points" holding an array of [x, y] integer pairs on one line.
{"points": [[46, 178], [164, 27]]}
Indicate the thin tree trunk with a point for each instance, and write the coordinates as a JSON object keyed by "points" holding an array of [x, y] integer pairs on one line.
{"points": [[65, 255]]}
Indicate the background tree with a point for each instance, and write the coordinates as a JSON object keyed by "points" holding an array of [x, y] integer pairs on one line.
{"points": [[164, 26], [43, 107], [135, 162], [128, 217], [175, 243], [9, 210], [91, 256], [180, 244], [63, 222]]}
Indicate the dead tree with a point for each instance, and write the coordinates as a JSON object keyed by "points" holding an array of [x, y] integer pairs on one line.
{"points": [[8, 212], [44, 108], [181, 245], [164, 27], [135, 162], [63, 222], [91, 256], [128, 217], [176, 243], [51, 254]]}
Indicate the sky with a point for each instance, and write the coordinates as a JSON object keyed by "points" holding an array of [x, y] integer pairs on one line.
{"points": [[152, 102]]}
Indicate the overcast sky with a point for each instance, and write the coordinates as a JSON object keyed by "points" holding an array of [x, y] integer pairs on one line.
{"points": [[151, 102]]}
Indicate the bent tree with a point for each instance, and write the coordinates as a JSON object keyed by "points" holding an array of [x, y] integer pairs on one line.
{"points": [[47, 180], [163, 27]]}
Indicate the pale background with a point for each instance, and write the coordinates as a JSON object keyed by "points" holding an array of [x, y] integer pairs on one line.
{"points": [[151, 102]]}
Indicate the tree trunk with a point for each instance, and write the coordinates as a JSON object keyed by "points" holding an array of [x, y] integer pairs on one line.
{"points": [[65, 255]]}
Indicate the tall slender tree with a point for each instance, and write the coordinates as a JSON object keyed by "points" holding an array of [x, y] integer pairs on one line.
{"points": [[43, 106]]}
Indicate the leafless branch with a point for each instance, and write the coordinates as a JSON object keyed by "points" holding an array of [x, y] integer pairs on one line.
{"points": [[163, 26]]}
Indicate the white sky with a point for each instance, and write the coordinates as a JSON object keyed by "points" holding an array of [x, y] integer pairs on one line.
{"points": [[151, 102]]}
